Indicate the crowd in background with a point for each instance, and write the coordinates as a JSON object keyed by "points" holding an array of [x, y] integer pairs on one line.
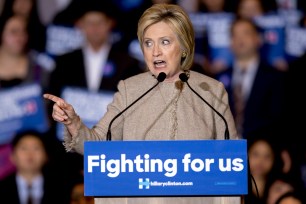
{"points": [[259, 43]]}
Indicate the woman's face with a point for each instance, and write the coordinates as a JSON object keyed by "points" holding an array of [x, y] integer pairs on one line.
{"points": [[261, 158], [14, 37], [162, 50]]}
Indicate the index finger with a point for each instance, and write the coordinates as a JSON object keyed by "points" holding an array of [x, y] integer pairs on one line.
{"points": [[53, 98]]}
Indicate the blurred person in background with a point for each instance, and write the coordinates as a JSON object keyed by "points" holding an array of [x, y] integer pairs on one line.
{"points": [[256, 90], [18, 63], [27, 9], [264, 161], [263, 15], [281, 185], [77, 195], [291, 198], [249, 9], [99, 64], [214, 6], [291, 159], [31, 182]]}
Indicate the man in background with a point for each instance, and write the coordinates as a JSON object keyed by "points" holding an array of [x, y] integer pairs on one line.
{"points": [[256, 90], [100, 63]]}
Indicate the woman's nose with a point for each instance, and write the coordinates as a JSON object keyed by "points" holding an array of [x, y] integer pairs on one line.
{"points": [[156, 51]]}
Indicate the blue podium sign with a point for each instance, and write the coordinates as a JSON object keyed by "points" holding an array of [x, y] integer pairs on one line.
{"points": [[165, 168]]}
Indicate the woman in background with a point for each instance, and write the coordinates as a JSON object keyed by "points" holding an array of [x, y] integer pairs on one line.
{"points": [[265, 163], [18, 63], [28, 10]]}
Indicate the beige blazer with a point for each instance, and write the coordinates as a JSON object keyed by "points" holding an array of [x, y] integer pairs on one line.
{"points": [[171, 111]]}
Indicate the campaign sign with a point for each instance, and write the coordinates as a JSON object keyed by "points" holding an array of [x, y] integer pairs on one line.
{"points": [[199, 22], [212, 33], [62, 39], [22, 108], [218, 33], [291, 17], [165, 168], [295, 42], [90, 106], [273, 32]]}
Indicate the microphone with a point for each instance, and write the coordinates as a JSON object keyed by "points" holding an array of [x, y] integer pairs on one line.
{"points": [[184, 78], [160, 78]]}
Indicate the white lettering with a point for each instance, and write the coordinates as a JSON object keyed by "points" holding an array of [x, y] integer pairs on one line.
{"points": [[113, 167], [237, 164], [186, 161], [91, 163], [170, 166], [197, 165], [225, 168]]}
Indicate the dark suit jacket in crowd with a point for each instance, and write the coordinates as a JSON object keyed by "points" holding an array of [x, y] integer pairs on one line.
{"points": [[264, 108], [70, 70], [53, 191]]}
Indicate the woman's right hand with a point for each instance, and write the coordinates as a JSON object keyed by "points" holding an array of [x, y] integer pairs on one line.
{"points": [[63, 112]]}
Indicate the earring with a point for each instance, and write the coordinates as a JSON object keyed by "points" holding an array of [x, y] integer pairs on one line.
{"points": [[184, 54]]}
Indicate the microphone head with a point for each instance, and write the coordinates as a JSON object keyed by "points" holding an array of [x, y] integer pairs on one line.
{"points": [[183, 77], [161, 77]]}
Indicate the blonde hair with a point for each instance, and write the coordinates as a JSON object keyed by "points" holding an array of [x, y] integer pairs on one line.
{"points": [[180, 23]]}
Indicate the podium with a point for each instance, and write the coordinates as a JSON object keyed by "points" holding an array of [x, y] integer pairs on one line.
{"points": [[165, 168]]}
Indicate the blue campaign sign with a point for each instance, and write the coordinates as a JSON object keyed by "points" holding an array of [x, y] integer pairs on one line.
{"points": [[273, 32], [22, 108], [218, 33], [295, 42], [90, 106], [62, 39], [165, 168], [212, 33]]}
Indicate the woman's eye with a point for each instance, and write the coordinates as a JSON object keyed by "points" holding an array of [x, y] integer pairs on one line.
{"points": [[148, 43], [166, 42]]}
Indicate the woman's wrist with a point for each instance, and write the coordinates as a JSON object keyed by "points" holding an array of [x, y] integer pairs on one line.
{"points": [[74, 126]]}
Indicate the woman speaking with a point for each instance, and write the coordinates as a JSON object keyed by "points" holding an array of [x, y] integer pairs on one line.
{"points": [[167, 102]]}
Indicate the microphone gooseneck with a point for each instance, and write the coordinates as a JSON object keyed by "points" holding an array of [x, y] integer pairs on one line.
{"points": [[160, 78], [184, 78]]}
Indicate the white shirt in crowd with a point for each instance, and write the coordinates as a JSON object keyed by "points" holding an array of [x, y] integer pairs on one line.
{"points": [[94, 65], [37, 189]]}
